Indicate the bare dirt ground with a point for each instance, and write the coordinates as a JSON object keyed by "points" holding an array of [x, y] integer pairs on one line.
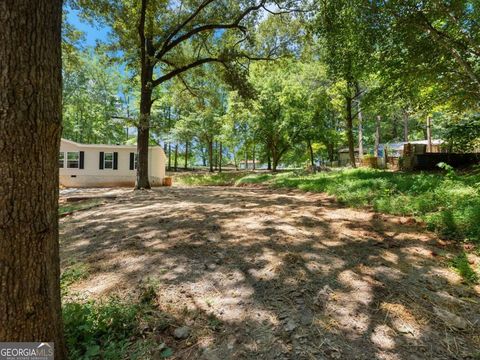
{"points": [[258, 273]]}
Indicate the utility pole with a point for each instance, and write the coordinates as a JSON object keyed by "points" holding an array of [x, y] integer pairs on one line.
{"points": [[377, 134], [405, 126], [429, 134]]}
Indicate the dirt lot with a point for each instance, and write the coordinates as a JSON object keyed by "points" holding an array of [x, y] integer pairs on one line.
{"points": [[269, 274]]}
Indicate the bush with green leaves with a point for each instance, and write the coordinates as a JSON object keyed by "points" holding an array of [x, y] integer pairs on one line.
{"points": [[111, 329], [462, 267], [99, 330]]}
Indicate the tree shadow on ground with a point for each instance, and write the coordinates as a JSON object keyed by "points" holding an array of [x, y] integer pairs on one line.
{"points": [[287, 275]]}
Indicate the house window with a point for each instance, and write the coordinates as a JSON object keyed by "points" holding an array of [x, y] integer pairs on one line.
{"points": [[73, 160], [108, 161], [61, 160]]}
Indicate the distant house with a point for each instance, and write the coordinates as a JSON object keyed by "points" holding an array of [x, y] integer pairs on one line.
{"points": [[249, 164], [394, 150], [344, 156], [92, 165]]}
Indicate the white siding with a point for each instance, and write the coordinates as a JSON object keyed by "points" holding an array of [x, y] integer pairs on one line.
{"points": [[92, 175]]}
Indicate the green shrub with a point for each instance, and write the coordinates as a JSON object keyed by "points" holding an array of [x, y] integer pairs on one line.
{"points": [[462, 266], [106, 330]]}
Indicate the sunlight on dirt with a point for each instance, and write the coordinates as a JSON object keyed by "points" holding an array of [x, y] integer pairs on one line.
{"points": [[287, 275]]}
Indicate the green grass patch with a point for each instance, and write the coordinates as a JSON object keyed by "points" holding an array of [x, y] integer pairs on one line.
{"points": [[462, 267], [78, 206], [71, 274], [253, 179], [209, 179]]}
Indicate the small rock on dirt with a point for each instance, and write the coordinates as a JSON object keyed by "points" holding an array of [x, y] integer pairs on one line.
{"points": [[181, 332], [290, 325], [451, 319], [209, 354], [213, 238], [306, 317], [231, 342]]}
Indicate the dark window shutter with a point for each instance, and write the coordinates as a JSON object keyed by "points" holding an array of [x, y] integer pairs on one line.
{"points": [[82, 160], [115, 160], [132, 161], [100, 165]]}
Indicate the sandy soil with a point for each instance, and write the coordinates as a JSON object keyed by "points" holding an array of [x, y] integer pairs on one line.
{"points": [[270, 274]]}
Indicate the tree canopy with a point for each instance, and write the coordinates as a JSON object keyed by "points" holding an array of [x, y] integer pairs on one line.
{"points": [[283, 83]]}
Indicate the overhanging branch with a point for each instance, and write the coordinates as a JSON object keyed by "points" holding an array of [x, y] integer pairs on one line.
{"points": [[169, 44]]}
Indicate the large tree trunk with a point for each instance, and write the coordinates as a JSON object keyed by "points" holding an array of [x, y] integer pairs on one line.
{"points": [[143, 138], [146, 72], [360, 122], [169, 125], [175, 161], [210, 155], [254, 167], [215, 161], [220, 158], [310, 150], [349, 121], [269, 162], [246, 157], [186, 156], [274, 163], [360, 132], [30, 130], [169, 167]]}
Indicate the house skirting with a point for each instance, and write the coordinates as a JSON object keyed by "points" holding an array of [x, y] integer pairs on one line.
{"points": [[103, 181]]}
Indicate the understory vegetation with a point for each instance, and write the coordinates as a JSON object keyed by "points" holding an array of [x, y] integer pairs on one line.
{"points": [[211, 179], [113, 328], [68, 208]]}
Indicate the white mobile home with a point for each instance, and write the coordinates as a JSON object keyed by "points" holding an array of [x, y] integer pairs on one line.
{"points": [[92, 165]]}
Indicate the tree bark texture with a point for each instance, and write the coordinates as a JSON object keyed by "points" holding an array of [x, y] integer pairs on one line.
{"points": [[349, 121], [186, 156], [142, 139], [310, 151], [175, 160], [377, 135], [360, 132], [210, 155], [220, 158], [254, 167], [246, 157], [30, 130], [146, 75], [169, 167]]}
